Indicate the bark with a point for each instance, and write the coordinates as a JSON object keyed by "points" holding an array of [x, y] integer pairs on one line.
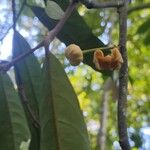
{"points": [[123, 79]]}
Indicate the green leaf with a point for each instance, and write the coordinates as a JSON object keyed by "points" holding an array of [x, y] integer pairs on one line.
{"points": [[62, 123], [53, 10], [74, 31], [147, 38], [28, 76], [144, 27], [13, 124]]}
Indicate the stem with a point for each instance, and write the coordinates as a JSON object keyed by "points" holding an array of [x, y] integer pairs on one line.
{"points": [[91, 4], [140, 7], [51, 35], [47, 40], [14, 14], [94, 49], [123, 79], [17, 17], [7, 66]]}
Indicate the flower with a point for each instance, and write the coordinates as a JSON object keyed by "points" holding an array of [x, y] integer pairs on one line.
{"points": [[109, 62], [74, 54], [116, 58], [101, 62]]}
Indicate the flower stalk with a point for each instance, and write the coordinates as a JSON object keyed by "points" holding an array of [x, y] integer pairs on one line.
{"points": [[99, 48]]}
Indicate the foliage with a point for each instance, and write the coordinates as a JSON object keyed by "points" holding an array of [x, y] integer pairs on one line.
{"points": [[13, 124], [28, 72], [49, 93]]}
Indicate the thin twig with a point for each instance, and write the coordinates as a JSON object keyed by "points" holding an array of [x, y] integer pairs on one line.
{"points": [[7, 66], [99, 48], [92, 4], [139, 7], [17, 17], [123, 79], [14, 14]]}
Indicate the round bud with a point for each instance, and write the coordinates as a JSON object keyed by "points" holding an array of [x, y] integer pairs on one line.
{"points": [[74, 54]]}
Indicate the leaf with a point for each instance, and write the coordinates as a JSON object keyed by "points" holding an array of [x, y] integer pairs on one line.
{"points": [[146, 38], [74, 31], [144, 27], [62, 123], [28, 76], [53, 10], [13, 124]]}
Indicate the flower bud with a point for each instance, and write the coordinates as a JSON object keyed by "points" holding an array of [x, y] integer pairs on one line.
{"points": [[74, 54]]}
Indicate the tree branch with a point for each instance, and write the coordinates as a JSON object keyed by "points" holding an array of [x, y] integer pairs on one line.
{"points": [[91, 4], [51, 35], [140, 7], [17, 17], [5, 67], [123, 79], [47, 40]]}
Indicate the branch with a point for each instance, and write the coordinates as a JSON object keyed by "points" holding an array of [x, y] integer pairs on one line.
{"points": [[17, 17], [51, 35], [123, 79], [14, 14], [140, 7], [47, 40], [6, 67], [91, 4], [99, 48]]}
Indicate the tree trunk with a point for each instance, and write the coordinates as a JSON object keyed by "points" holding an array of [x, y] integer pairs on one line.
{"points": [[104, 113]]}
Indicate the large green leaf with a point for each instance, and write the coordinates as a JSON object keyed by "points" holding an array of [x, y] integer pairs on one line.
{"points": [[13, 124], [75, 31], [62, 123], [28, 76]]}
